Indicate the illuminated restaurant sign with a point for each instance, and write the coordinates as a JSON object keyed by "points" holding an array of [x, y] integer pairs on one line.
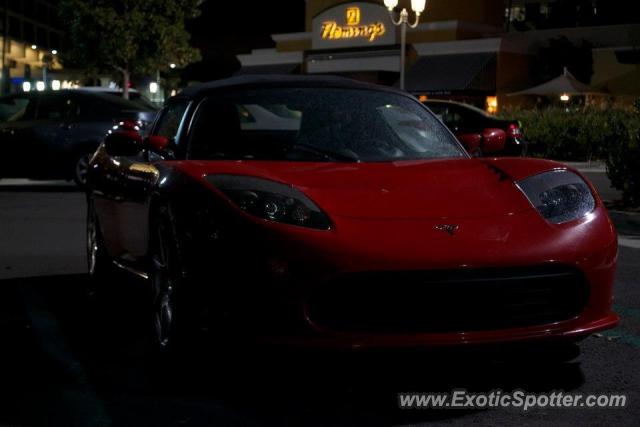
{"points": [[353, 25], [333, 31]]}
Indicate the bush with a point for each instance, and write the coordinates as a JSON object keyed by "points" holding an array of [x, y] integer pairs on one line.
{"points": [[611, 135], [623, 163], [577, 135]]}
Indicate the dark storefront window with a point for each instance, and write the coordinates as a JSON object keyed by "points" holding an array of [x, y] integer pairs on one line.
{"points": [[531, 15]]}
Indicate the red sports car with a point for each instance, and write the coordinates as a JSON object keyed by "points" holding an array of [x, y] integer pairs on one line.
{"points": [[350, 218]]}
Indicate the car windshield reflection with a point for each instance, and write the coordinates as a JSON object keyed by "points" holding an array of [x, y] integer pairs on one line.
{"points": [[316, 124]]}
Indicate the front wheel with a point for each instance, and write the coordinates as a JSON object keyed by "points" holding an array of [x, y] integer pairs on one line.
{"points": [[170, 319], [80, 169], [99, 264]]}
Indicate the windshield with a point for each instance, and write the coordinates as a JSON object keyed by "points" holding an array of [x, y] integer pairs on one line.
{"points": [[140, 101], [316, 124]]}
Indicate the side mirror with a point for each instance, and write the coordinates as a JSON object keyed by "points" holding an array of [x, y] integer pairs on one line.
{"points": [[493, 140], [157, 143], [123, 143]]}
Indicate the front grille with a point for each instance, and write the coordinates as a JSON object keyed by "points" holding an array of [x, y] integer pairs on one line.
{"points": [[448, 301]]}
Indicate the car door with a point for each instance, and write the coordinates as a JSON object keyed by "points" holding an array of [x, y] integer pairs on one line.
{"points": [[54, 126], [126, 203], [17, 113], [34, 139]]}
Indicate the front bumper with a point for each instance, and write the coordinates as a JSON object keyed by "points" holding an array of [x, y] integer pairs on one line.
{"points": [[570, 331], [301, 263]]}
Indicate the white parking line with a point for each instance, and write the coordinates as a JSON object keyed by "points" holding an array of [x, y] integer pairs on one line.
{"points": [[629, 241], [29, 182]]}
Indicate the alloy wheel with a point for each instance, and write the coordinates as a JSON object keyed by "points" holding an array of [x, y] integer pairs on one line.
{"points": [[92, 242], [81, 169], [163, 288]]}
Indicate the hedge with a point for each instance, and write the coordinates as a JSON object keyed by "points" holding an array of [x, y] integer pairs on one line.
{"points": [[611, 135]]}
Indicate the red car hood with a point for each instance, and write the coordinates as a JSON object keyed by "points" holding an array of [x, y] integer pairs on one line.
{"points": [[453, 188]]}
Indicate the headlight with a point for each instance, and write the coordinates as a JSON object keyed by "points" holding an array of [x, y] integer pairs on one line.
{"points": [[271, 200], [560, 196]]}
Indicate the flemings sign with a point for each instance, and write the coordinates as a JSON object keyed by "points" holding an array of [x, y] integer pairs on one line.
{"points": [[353, 25]]}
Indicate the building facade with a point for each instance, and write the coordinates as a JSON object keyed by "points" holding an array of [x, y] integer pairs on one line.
{"points": [[478, 51], [31, 37]]}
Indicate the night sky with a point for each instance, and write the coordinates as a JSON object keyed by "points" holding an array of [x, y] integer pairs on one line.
{"points": [[227, 28]]}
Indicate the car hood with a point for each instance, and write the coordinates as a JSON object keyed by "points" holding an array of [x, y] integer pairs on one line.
{"points": [[453, 188]]}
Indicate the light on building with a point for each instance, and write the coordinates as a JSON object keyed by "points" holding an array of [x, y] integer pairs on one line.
{"points": [[492, 104], [26, 86], [34, 47], [54, 52], [40, 86], [174, 92], [172, 65], [565, 97], [56, 84], [391, 4], [153, 87], [418, 5], [68, 84]]}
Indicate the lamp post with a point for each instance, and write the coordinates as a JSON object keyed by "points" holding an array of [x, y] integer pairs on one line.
{"points": [[403, 21]]}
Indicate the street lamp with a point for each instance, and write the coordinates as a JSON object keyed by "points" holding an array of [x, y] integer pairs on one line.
{"points": [[403, 21]]}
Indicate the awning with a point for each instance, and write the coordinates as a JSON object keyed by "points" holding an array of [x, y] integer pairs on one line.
{"points": [[564, 84], [269, 69], [444, 74]]}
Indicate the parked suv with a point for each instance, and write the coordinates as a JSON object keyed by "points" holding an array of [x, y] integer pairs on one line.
{"points": [[52, 135]]}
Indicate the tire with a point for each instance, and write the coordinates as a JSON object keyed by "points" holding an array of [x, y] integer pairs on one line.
{"points": [[80, 169], [171, 320], [99, 264]]}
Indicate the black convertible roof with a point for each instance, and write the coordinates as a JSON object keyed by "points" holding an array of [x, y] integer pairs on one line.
{"points": [[253, 81]]}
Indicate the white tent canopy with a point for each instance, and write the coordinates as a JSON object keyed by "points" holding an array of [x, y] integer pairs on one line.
{"points": [[565, 84]]}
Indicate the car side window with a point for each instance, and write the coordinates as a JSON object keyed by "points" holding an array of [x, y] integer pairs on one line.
{"points": [[15, 108], [57, 107], [451, 118], [170, 120], [449, 115], [467, 119], [437, 109]]}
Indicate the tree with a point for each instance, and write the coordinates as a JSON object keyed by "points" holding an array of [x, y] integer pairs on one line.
{"points": [[128, 37]]}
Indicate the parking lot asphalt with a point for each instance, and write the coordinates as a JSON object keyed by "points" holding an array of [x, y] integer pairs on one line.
{"points": [[67, 361]]}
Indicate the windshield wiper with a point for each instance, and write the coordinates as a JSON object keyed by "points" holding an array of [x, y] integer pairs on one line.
{"points": [[327, 154]]}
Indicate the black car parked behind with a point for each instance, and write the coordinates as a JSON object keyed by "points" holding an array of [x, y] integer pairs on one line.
{"points": [[464, 120], [52, 135]]}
